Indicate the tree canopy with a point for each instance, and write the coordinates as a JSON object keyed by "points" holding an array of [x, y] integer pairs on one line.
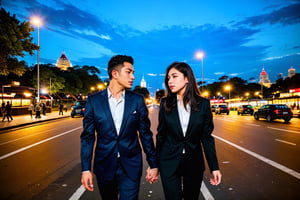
{"points": [[15, 39]]}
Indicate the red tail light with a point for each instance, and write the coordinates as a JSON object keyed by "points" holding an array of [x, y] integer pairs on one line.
{"points": [[276, 111], [83, 109]]}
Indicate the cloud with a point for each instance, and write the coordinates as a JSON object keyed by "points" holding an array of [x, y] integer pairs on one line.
{"points": [[285, 16], [152, 74], [279, 57], [92, 33], [219, 73]]}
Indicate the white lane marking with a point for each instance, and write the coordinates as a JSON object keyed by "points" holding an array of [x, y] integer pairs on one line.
{"points": [[35, 144], [279, 129], [78, 193], [286, 142], [207, 195], [266, 160], [252, 124]]}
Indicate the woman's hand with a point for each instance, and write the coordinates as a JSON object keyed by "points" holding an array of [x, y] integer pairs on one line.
{"points": [[217, 177]]}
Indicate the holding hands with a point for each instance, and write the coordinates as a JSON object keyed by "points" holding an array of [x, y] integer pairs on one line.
{"points": [[152, 175]]}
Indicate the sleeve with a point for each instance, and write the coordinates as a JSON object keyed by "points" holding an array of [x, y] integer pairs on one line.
{"points": [[207, 139], [146, 135], [87, 137]]}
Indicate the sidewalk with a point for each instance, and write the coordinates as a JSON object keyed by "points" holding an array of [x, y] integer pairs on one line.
{"points": [[22, 120]]}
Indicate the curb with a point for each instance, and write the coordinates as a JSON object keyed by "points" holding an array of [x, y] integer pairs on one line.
{"points": [[35, 122]]}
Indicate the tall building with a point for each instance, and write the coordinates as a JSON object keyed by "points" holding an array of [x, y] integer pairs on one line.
{"points": [[264, 78], [291, 72], [143, 82], [63, 62]]}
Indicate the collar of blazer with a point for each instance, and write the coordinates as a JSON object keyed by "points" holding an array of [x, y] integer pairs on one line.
{"points": [[193, 118], [129, 101]]}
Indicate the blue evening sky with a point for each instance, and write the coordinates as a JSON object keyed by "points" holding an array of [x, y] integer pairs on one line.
{"points": [[238, 37]]}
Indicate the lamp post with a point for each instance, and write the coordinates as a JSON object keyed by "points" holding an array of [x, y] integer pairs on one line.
{"points": [[37, 22], [200, 55], [228, 88]]}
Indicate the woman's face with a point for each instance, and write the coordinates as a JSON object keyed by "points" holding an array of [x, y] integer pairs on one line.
{"points": [[177, 82]]}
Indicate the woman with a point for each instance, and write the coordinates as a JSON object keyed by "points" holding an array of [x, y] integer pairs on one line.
{"points": [[185, 126]]}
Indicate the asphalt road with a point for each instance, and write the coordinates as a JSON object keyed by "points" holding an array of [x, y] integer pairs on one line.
{"points": [[258, 160]]}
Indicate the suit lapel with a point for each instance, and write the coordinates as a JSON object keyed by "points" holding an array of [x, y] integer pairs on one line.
{"points": [[128, 102], [191, 121], [106, 108], [193, 118], [175, 116]]}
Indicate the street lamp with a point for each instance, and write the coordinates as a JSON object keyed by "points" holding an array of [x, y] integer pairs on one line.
{"points": [[228, 88], [37, 22], [200, 55], [247, 94]]}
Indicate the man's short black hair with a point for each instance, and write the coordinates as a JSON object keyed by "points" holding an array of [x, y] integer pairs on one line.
{"points": [[116, 61]]}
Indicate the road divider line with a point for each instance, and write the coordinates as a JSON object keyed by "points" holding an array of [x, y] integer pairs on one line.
{"points": [[279, 129], [205, 192], [286, 142], [79, 192], [266, 160], [35, 144], [252, 124]]}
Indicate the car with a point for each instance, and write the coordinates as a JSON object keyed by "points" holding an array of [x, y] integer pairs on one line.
{"points": [[274, 111], [222, 109], [245, 109], [78, 108], [213, 108]]}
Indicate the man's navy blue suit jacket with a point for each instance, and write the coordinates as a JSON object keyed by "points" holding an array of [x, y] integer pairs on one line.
{"points": [[98, 118]]}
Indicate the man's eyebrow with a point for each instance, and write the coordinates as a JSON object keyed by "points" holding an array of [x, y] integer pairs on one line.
{"points": [[129, 69]]}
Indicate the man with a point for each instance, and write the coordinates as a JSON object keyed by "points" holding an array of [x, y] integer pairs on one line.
{"points": [[117, 114]]}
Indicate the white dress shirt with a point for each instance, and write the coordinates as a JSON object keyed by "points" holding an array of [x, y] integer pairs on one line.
{"points": [[184, 117], [116, 109]]}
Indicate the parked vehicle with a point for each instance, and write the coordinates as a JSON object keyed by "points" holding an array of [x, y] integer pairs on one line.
{"points": [[274, 111], [245, 109], [213, 108], [222, 109], [78, 108]]}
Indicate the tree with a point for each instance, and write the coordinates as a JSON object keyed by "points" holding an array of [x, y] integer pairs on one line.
{"points": [[159, 94], [223, 78], [47, 72], [15, 39], [143, 91]]}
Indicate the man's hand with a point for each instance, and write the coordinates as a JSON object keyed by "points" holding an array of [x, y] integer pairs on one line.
{"points": [[152, 175], [87, 180], [217, 177]]}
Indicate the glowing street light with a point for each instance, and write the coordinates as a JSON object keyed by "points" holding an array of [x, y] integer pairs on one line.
{"points": [[247, 94], [37, 22], [200, 55], [227, 87], [205, 94]]}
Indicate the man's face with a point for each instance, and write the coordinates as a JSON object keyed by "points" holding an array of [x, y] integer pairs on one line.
{"points": [[124, 75]]}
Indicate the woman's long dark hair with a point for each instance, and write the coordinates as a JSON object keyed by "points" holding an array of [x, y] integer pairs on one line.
{"points": [[191, 90]]}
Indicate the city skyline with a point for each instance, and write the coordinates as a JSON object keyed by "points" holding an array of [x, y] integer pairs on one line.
{"points": [[238, 39]]}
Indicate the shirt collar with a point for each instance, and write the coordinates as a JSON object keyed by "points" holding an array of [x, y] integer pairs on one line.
{"points": [[109, 94], [188, 108]]}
